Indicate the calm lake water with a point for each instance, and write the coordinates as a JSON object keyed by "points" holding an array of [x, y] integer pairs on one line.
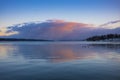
{"points": [[59, 61]]}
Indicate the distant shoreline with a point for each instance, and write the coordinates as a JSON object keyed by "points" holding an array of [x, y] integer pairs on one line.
{"points": [[40, 40], [14, 39]]}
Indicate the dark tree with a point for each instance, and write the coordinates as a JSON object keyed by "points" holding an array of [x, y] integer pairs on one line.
{"points": [[103, 37]]}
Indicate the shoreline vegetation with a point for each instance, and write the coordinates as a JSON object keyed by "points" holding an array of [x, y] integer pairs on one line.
{"points": [[17, 39], [108, 37]]}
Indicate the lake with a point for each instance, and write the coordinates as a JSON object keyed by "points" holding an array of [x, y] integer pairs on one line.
{"points": [[59, 61]]}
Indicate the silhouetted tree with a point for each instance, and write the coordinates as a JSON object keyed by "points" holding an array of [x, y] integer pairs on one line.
{"points": [[103, 37]]}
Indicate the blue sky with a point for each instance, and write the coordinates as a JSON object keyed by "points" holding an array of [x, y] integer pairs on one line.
{"points": [[87, 11]]}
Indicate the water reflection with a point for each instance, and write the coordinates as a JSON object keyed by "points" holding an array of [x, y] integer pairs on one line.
{"points": [[61, 52], [7, 50]]}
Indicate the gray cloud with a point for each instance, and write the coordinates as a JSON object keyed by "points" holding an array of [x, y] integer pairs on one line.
{"points": [[57, 30]]}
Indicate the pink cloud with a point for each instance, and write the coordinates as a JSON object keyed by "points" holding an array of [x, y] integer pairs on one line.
{"points": [[55, 30]]}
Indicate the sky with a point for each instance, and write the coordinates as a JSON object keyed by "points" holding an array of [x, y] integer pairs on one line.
{"points": [[87, 11]]}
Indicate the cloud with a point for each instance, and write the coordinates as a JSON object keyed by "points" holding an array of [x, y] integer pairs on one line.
{"points": [[3, 32], [111, 25], [54, 30], [50, 29]]}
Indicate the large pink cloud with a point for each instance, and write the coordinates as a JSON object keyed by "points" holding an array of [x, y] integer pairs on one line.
{"points": [[53, 29]]}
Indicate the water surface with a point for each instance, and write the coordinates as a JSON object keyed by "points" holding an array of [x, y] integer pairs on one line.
{"points": [[59, 61]]}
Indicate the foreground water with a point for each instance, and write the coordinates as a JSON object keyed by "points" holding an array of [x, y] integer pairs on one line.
{"points": [[59, 61]]}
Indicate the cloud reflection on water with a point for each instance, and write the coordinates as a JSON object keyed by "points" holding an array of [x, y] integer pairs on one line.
{"points": [[61, 52]]}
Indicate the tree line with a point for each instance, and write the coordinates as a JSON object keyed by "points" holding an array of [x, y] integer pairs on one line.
{"points": [[103, 37], [14, 39]]}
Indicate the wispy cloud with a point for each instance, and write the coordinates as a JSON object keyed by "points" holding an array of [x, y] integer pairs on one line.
{"points": [[111, 25]]}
